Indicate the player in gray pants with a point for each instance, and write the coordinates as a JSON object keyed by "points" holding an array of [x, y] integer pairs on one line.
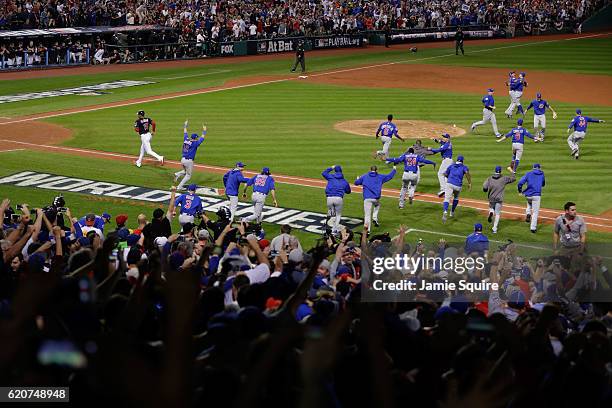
{"points": [[533, 194], [495, 186], [190, 148]]}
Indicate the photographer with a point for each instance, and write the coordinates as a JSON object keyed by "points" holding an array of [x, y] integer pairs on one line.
{"points": [[224, 214], [570, 231]]}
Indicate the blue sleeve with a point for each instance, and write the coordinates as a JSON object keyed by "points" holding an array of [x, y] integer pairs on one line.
{"points": [[591, 119], [529, 107], [466, 169], [572, 123], [326, 172], [522, 181], [387, 177], [347, 187], [378, 130], [99, 223], [508, 134], [421, 159], [543, 181], [77, 230], [529, 135], [271, 183], [200, 141], [251, 181], [82, 221], [185, 136], [179, 200], [243, 179], [447, 172], [225, 177], [396, 159], [359, 181], [395, 132], [199, 206]]}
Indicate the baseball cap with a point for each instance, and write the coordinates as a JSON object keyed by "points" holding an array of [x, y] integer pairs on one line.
{"points": [[90, 219], [121, 219], [446, 135], [538, 95], [578, 111], [194, 135], [203, 234], [498, 169], [192, 187], [265, 170], [240, 165], [338, 169], [141, 113], [106, 216], [478, 227], [519, 121], [324, 264], [523, 73], [263, 243], [296, 255], [460, 159], [132, 239], [536, 165], [490, 90]]}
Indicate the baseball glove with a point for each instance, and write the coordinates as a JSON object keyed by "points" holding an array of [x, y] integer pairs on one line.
{"points": [[554, 115]]}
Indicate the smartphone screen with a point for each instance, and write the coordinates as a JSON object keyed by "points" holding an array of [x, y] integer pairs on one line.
{"points": [[62, 353]]}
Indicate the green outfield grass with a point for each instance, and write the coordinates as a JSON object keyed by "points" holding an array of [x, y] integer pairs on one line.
{"points": [[558, 55], [289, 127]]}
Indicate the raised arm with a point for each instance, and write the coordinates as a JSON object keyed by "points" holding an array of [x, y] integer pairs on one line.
{"points": [[389, 176], [171, 204], [326, 172]]}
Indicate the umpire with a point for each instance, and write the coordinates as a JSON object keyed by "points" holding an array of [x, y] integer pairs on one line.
{"points": [[299, 57], [459, 41]]}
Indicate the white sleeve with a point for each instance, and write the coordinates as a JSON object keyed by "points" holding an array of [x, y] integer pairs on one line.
{"points": [[259, 274]]}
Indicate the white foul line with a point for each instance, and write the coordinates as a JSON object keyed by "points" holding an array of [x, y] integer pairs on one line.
{"points": [[206, 91], [11, 150]]}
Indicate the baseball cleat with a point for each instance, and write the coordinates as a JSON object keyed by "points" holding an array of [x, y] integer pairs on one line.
{"points": [[490, 218], [162, 161], [528, 218], [533, 231], [440, 193], [576, 156], [574, 152], [137, 164], [401, 207], [410, 200], [376, 224], [444, 217], [494, 231], [473, 127], [452, 214], [498, 135]]}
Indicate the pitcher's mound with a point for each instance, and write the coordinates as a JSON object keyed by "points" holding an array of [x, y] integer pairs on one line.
{"points": [[411, 129]]}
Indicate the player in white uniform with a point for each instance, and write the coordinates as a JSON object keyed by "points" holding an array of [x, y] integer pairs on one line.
{"points": [[145, 127]]}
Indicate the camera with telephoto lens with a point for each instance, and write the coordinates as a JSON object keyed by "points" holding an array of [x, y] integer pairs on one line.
{"points": [[61, 210]]}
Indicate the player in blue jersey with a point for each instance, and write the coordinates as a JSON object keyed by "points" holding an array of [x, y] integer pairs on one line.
{"points": [[515, 89], [190, 205], [411, 175], [454, 176], [386, 131], [446, 152], [372, 183], [263, 184], [518, 142], [488, 114], [535, 182], [539, 106], [190, 148], [336, 188], [232, 180], [579, 124]]}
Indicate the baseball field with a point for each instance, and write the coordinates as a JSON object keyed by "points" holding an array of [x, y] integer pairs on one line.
{"points": [[259, 113]]}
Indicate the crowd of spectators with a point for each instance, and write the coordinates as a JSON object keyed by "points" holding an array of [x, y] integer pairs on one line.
{"points": [[219, 313], [239, 19]]}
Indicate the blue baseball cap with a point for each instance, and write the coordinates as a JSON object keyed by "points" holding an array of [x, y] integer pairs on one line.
{"points": [[538, 95], [265, 170], [578, 111], [338, 169], [194, 135], [106, 216], [192, 187], [446, 136], [240, 165], [478, 227], [519, 121], [523, 74], [460, 159], [498, 169], [84, 241], [536, 165], [490, 90]]}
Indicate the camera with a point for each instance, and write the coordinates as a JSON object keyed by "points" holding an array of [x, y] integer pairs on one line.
{"points": [[15, 217], [61, 209]]}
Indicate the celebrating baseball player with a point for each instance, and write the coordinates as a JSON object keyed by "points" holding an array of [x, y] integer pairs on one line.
{"points": [[336, 188], [231, 181], [579, 124], [190, 205], [386, 131], [190, 148], [539, 106], [145, 127], [446, 152], [533, 194], [411, 175], [487, 112], [263, 184], [372, 189], [518, 142], [515, 89], [454, 175], [495, 186]]}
